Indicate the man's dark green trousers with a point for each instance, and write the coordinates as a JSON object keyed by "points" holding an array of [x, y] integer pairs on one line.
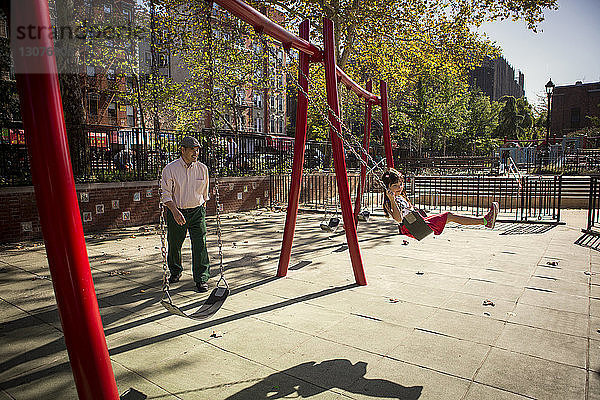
{"points": [[195, 223]]}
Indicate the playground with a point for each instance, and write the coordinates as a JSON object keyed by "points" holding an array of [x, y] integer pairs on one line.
{"points": [[353, 310], [508, 313]]}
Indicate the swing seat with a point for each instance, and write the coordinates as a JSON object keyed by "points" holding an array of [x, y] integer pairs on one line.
{"points": [[206, 310], [416, 225], [364, 215], [331, 225]]}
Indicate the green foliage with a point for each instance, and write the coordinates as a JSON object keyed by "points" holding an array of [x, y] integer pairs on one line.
{"points": [[515, 119]]}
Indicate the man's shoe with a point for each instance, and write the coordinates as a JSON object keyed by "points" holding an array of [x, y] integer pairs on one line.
{"points": [[490, 217], [202, 286], [174, 278]]}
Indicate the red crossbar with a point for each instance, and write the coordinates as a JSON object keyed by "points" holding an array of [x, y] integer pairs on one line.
{"points": [[262, 24]]}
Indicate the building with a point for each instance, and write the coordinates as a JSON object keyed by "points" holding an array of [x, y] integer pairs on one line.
{"points": [[260, 105], [571, 105], [257, 103], [106, 64], [496, 78]]}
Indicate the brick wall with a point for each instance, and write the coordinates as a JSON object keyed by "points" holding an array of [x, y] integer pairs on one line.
{"points": [[115, 205], [570, 106]]}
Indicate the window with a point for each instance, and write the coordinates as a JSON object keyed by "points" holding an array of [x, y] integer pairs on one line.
{"points": [[3, 30], [112, 113], [163, 60], [93, 104], [280, 103], [258, 124], [272, 101], [272, 124], [280, 123], [110, 74], [240, 96], [130, 116], [575, 118], [130, 84], [257, 100], [148, 58], [127, 15], [107, 8], [91, 71]]}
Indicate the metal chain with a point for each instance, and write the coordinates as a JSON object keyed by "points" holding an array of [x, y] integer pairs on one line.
{"points": [[342, 125], [212, 150], [163, 246], [319, 108]]}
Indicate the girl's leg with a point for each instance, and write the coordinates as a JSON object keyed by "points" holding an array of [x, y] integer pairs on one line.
{"points": [[464, 220]]}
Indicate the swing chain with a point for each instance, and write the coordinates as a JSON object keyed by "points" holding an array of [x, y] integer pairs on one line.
{"points": [[212, 150], [319, 109], [163, 246]]}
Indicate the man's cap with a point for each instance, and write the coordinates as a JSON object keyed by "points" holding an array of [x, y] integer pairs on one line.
{"points": [[190, 141]]}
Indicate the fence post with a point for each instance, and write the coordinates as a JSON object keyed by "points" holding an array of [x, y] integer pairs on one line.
{"points": [[299, 143], [385, 116], [559, 197], [338, 151]]}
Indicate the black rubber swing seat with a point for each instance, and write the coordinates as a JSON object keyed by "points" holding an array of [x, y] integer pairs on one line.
{"points": [[364, 215], [206, 310], [416, 225], [331, 225]]}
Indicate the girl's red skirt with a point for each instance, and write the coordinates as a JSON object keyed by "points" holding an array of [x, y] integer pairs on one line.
{"points": [[436, 222]]}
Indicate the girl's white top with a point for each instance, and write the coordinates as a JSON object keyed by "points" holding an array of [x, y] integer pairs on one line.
{"points": [[404, 205]]}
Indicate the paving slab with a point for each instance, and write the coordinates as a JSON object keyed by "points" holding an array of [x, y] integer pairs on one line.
{"points": [[472, 314]]}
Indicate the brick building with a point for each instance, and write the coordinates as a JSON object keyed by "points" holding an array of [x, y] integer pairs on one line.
{"points": [[571, 105], [496, 78]]}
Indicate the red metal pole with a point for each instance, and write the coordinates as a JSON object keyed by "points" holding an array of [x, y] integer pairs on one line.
{"points": [[42, 113], [299, 142], [385, 116], [338, 152], [366, 141]]}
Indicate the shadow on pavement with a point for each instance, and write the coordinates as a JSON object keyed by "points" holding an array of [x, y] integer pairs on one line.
{"points": [[337, 373], [527, 229], [589, 241]]}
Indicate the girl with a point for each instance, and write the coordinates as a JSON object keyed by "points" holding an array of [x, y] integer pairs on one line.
{"points": [[397, 205]]}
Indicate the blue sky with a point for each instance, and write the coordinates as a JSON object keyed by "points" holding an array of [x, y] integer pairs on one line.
{"points": [[566, 48]]}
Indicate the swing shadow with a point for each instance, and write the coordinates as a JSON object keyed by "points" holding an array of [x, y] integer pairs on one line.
{"points": [[297, 381], [591, 241], [58, 344]]}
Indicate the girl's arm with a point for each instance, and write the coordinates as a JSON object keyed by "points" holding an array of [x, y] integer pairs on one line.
{"points": [[395, 211]]}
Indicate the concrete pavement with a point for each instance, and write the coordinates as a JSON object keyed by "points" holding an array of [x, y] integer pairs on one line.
{"points": [[418, 330]]}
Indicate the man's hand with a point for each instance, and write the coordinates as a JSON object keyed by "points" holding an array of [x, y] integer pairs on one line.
{"points": [[179, 218], [177, 215]]}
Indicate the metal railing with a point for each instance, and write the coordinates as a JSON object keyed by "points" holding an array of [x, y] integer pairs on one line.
{"points": [[536, 199], [593, 217]]}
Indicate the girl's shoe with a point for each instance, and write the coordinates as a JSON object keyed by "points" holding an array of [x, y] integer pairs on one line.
{"points": [[490, 217]]}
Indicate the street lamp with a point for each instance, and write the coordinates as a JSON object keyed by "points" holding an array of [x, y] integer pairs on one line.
{"points": [[549, 90]]}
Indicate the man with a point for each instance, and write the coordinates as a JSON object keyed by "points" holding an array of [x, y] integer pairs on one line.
{"points": [[184, 187]]}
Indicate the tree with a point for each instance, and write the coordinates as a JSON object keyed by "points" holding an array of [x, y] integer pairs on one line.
{"points": [[481, 121], [515, 120]]}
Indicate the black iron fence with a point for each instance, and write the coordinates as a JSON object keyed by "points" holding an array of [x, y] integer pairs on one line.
{"points": [[118, 154], [570, 161], [525, 200], [460, 165], [593, 217]]}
